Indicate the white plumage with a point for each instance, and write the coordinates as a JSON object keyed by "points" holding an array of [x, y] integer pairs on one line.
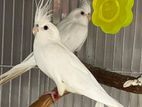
{"points": [[61, 65], [19, 69], [73, 30]]}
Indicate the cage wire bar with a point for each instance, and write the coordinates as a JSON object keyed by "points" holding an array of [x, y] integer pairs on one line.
{"points": [[121, 52]]}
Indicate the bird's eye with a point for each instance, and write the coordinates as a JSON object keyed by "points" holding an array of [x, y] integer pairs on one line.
{"points": [[82, 13], [37, 25], [45, 27]]}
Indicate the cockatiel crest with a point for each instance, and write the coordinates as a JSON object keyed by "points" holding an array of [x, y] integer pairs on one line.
{"points": [[85, 5], [43, 11]]}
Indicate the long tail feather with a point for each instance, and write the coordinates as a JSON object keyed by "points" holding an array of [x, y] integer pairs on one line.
{"points": [[102, 98], [17, 70], [14, 75], [17, 66], [98, 104]]}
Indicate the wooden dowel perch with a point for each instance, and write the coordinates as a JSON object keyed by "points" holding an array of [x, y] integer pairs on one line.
{"points": [[108, 78]]}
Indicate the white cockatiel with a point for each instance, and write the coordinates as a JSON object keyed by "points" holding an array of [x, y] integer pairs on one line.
{"points": [[74, 28], [61, 65], [73, 31]]}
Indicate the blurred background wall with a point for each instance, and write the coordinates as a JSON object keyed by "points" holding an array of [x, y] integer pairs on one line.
{"points": [[120, 52]]}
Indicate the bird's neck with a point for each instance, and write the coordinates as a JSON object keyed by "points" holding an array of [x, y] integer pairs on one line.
{"points": [[82, 23], [44, 40]]}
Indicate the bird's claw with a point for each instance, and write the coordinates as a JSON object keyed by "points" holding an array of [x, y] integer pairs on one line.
{"points": [[135, 82], [54, 94]]}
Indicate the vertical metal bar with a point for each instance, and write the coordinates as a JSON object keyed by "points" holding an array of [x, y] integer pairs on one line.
{"points": [[39, 75], [29, 84], [11, 63], [123, 47], [134, 97], [114, 52], [29, 88], [134, 37], [137, 42], [108, 89], [115, 92], [140, 9], [94, 56], [105, 37], [123, 66], [97, 34], [13, 20], [2, 45], [3, 26], [19, 101]]}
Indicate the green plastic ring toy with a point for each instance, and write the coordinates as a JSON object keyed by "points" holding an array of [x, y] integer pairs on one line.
{"points": [[112, 15]]}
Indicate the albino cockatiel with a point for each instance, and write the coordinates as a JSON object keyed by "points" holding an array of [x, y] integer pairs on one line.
{"points": [[61, 65], [73, 31], [74, 28]]}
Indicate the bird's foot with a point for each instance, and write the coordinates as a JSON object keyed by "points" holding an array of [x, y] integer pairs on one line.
{"points": [[54, 94], [135, 82]]}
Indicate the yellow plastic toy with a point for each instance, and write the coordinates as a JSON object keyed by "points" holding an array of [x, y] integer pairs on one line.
{"points": [[112, 15]]}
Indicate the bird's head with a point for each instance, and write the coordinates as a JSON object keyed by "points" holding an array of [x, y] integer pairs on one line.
{"points": [[83, 13], [43, 28]]}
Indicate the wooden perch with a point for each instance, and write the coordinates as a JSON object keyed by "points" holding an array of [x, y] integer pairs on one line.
{"points": [[45, 101], [113, 79], [103, 76]]}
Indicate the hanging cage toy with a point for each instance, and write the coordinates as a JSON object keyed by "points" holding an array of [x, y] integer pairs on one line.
{"points": [[112, 15]]}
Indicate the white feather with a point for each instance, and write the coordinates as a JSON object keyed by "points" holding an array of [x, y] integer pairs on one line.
{"points": [[43, 11], [75, 37], [86, 5], [19, 69], [61, 65], [56, 61], [73, 33], [98, 104]]}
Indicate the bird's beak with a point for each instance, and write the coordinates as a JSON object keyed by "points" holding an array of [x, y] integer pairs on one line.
{"points": [[88, 16], [35, 30]]}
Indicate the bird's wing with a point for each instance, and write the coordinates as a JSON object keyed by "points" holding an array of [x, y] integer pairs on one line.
{"points": [[17, 70], [64, 27], [84, 82], [76, 77], [72, 34]]}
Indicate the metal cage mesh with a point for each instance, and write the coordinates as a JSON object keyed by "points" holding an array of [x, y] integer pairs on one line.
{"points": [[120, 52]]}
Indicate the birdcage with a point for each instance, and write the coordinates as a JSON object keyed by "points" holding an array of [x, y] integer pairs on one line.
{"points": [[120, 52]]}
